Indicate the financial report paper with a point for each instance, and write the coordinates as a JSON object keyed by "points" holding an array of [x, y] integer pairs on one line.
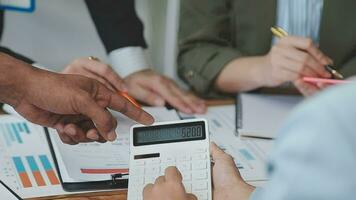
{"points": [[250, 155], [26, 164], [96, 161]]}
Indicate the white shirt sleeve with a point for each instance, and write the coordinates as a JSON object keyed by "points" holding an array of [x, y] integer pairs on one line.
{"points": [[128, 60]]}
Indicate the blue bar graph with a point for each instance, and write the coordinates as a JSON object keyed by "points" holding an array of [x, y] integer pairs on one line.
{"points": [[33, 165], [8, 129], [18, 164], [26, 128], [19, 126], [45, 162], [16, 133], [22, 173], [13, 132]]}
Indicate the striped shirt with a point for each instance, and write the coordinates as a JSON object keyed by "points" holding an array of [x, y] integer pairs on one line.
{"points": [[300, 17]]}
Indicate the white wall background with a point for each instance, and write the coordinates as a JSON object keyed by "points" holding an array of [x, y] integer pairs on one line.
{"points": [[60, 31]]}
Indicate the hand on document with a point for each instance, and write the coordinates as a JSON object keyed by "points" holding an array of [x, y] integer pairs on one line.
{"points": [[157, 90], [146, 85], [227, 181], [76, 106]]}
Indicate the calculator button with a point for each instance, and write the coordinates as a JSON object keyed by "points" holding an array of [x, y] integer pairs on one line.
{"points": [[200, 185], [184, 166], [202, 195], [136, 180], [137, 170], [186, 176], [139, 162], [183, 158], [199, 165], [168, 160], [188, 186], [199, 175], [154, 169], [201, 150], [199, 156], [150, 179], [153, 161]]}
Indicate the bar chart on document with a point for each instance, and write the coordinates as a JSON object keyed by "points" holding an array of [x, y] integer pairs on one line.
{"points": [[25, 161]]}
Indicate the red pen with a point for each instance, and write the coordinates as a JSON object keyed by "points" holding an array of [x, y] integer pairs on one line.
{"points": [[324, 80]]}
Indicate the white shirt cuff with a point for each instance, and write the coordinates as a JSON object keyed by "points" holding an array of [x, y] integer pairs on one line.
{"points": [[128, 60], [37, 65]]}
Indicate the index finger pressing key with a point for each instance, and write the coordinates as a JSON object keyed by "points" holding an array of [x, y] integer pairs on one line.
{"points": [[124, 106], [172, 174]]}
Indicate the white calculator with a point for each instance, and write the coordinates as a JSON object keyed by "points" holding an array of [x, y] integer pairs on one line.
{"points": [[184, 144]]}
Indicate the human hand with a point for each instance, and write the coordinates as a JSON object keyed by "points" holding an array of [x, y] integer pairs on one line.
{"points": [[227, 181], [167, 187], [294, 57], [74, 105], [93, 68], [155, 89], [308, 89]]}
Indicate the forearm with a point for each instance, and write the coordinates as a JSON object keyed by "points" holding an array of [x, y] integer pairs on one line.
{"points": [[13, 76], [243, 74]]}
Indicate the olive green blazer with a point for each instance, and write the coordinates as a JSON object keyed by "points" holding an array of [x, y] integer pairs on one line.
{"points": [[214, 32]]}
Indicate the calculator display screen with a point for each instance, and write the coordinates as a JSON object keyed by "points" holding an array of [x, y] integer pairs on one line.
{"points": [[169, 133]]}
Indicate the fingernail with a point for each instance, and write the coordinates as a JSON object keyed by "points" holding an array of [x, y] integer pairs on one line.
{"points": [[112, 136], [93, 136], [159, 102], [71, 132], [59, 127]]}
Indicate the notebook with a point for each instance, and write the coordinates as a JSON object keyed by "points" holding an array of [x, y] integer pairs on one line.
{"points": [[261, 115]]}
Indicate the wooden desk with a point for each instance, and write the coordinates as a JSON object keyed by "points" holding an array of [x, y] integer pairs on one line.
{"points": [[121, 195]]}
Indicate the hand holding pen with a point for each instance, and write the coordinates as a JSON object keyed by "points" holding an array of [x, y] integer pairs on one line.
{"points": [[293, 58]]}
